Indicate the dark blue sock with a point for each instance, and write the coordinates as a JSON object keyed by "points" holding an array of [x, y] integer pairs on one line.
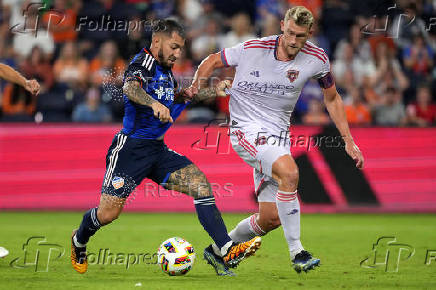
{"points": [[88, 227], [210, 218]]}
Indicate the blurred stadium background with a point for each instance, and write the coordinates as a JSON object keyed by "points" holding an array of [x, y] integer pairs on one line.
{"points": [[382, 54]]}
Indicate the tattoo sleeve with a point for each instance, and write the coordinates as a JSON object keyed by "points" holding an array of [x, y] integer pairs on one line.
{"points": [[135, 93], [205, 93]]}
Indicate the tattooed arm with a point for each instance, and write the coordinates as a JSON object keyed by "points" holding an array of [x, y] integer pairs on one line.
{"points": [[136, 93], [203, 94]]}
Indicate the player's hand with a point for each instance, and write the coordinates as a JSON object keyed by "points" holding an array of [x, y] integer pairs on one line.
{"points": [[32, 86], [162, 112], [221, 88], [354, 152], [190, 93]]}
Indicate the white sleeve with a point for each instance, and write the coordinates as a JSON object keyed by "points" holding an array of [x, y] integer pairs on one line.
{"points": [[231, 56], [324, 75], [323, 69]]}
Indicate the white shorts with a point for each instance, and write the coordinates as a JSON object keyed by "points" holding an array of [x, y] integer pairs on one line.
{"points": [[260, 150]]}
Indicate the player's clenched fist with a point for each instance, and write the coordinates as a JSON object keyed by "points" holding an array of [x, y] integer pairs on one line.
{"points": [[162, 112], [221, 88], [32, 86], [190, 93]]}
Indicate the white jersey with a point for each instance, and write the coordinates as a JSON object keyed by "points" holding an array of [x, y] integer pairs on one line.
{"points": [[265, 90]]}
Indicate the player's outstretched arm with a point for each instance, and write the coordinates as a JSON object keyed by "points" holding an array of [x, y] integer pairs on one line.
{"points": [[9, 74], [208, 93], [199, 90], [205, 70], [335, 107], [136, 93]]}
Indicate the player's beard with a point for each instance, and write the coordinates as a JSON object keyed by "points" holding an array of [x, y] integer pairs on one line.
{"points": [[292, 52], [163, 62]]}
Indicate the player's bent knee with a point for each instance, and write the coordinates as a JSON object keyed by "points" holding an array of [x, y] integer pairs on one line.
{"points": [[272, 224], [269, 223], [288, 177], [106, 216]]}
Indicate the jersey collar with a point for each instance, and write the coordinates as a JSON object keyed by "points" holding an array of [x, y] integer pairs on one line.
{"points": [[278, 39], [147, 50], [276, 46]]}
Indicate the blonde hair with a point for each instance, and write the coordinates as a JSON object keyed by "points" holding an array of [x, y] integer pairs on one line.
{"points": [[300, 15]]}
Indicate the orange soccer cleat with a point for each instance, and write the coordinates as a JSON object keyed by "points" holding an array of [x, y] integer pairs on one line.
{"points": [[78, 257], [240, 251]]}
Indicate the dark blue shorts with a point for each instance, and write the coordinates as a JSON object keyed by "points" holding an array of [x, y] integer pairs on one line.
{"points": [[130, 160]]}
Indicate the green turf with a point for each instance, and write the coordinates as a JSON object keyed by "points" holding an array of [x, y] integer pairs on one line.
{"points": [[341, 241]]}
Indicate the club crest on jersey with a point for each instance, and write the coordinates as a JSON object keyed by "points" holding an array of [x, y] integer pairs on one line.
{"points": [[293, 75], [117, 182]]}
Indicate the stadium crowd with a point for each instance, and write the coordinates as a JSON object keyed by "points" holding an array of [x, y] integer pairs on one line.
{"points": [[382, 55]]}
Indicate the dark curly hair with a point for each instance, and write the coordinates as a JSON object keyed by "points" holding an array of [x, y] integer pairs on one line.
{"points": [[168, 26]]}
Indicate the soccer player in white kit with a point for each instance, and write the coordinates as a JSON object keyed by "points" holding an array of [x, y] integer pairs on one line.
{"points": [[270, 74]]}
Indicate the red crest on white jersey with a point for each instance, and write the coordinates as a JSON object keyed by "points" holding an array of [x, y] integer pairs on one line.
{"points": [[293, 75]]}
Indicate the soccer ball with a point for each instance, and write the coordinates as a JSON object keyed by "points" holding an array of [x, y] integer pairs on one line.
{"points": [[176, 256]]}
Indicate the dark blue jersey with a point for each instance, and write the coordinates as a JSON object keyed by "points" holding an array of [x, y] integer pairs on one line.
{"points": [[157, 81]]}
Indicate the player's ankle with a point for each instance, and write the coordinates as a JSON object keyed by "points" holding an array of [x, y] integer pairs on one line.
{"points": [[224, 249], [76, 243], [295, 250]]}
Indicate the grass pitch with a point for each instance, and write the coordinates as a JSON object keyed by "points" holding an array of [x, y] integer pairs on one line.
{"points": [[340, 241]]}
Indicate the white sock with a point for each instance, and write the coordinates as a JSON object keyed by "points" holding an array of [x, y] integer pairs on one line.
{"points": [[223, 251], [288, 207], [77, 244], [246, 230]]}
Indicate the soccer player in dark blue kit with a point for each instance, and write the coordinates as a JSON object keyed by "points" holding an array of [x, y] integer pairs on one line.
{"points": [[152, 102]]}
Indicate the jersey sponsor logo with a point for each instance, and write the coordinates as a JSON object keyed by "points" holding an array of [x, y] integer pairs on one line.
{"points": [[293, 75], [159, 92], [265, 88], [117, 182], [166, 94]]}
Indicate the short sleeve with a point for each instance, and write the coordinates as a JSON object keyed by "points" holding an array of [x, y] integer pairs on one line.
{"points": [[140, 69], [231, 56], [323, 74], [137, 73]]}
